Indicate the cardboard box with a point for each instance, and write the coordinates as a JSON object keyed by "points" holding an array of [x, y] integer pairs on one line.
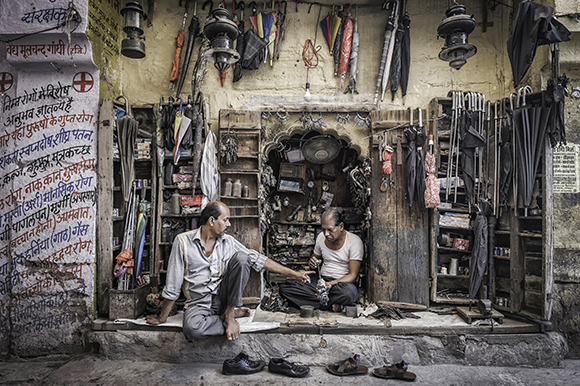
{"points": [[191, 200]]}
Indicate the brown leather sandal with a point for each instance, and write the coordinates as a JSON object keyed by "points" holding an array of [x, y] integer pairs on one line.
{"points": [[396, 371], [349, 366]]}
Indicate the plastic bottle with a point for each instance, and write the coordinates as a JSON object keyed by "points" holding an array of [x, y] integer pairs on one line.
{"points": [[237, 188], [245, 191], [227, 187], [176, 203]]}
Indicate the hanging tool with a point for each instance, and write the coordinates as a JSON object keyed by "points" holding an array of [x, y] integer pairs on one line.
{"points": [[178, 46], [281, 29], [193, 31]]}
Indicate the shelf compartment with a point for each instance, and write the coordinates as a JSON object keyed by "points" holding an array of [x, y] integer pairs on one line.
{"points": [[453, 250]]}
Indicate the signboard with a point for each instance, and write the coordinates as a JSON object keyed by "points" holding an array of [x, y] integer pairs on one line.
{"points": [[566, 169]]}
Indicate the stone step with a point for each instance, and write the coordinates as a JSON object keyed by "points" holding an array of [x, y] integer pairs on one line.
{"points": [[318, 349]]}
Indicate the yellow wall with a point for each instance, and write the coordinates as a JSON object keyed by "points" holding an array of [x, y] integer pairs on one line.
{"points": [[104, 31]]}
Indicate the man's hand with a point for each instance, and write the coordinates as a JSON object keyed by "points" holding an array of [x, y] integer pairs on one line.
{"points": [[314, 262], [154, 319], [303, 276], [329, 285]]}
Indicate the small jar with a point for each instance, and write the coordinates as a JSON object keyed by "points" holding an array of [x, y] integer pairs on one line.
{"points": [[245, 191], [176, 203], [227, 187], [237, 188]]}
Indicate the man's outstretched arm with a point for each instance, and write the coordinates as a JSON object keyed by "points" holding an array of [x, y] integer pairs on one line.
{"points": [[165, 310], [272, 266]]}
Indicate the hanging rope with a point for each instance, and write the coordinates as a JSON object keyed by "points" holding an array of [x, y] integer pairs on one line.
{"points": [[310, 51]]}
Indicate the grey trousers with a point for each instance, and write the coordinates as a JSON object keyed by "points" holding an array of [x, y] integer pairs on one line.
{"points": [[198, 322], [300, 294]]}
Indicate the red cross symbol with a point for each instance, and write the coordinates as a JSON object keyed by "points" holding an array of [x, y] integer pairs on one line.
{"points": [[6, 81], [83, 82]]}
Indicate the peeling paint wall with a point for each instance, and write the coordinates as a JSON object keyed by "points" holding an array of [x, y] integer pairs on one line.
{"points": [[50, 89]]}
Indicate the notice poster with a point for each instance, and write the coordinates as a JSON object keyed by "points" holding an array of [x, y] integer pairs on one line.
{"points": [[566, 169]]}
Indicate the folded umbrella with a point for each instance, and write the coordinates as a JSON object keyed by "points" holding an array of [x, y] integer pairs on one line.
{"points": [[420, 165], [555, 94], [353, 57], [411, 163], [168, 119], [346, 46], [126, 133], [326, 31], [177, 132], [534, 27], [405, 54], [479, 255]]}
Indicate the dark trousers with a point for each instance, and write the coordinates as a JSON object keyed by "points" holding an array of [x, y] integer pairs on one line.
{"points": [[301, 294], [198, 322]]}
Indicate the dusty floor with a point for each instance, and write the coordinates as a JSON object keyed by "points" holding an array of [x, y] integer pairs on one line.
{"points": [[93, 370]]}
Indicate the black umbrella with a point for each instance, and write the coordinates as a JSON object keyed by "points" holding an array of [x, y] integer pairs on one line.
{"points": [[479, 254], [470, 140], [168, 119], [127, 128], [198, 122], [405, 54], [534, 27], [241, 43], [506, 164], [411, 163], [555, 94], [193, 31], [396, 60], [338, 43], [530, 124], [188, 111]]}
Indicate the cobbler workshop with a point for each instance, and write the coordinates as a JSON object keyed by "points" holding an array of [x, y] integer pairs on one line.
{"points": [[444, 136]]}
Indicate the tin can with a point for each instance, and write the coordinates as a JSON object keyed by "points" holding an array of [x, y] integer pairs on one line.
{"points": [[444, 270]]}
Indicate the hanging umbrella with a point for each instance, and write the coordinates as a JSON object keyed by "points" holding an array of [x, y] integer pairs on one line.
{"points": [[327, 31], [420, 168], [281, 30], [506, 164], [432, 189], [127, 246], [534, 27], [411, 163], [394, 20], [470, 140], [336, 23], [179, 40], [272, 36], [141, 228], [353, 57], [555, 94], [193, 31], [241, 44], [346, 46], [168, 119], [187, 140], [265, 21], [479, 254], [199, 123], [386, 45], [530, 125], [405, 53], [126, 132], [157, 117], [177, 132], [336, 48], [396, 62]]}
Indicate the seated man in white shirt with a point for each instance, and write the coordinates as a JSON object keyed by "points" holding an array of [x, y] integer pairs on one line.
{"points": [[341, 253], [213, 269]]}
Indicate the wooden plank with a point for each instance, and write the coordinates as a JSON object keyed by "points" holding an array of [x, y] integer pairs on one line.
{"points": [[403, 305], [388, 119], [104, 206], [547, 231], [472, 315], [238, 119], [412, 242], [383, 237], [516, 265]]}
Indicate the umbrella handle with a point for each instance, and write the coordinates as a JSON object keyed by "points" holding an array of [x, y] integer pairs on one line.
{"points": [[180, 103], [161, 101]]}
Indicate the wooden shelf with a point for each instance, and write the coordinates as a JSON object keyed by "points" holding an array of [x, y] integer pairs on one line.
{"points": [[502, 257], [246, 216], [454, 210], [119, 218], [453, 250], [456, 228], [181, 215], [500, 232], [239, 172], [240, 198], [451, 300], [530, 217], [533, 235], [117, 248], [453, 276]]}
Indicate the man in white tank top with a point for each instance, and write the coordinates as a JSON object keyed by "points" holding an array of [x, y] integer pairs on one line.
{"points": [[340, 253]]}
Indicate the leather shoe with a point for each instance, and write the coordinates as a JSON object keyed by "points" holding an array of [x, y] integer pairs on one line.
{"points": [[242, 364], [281, 366]]}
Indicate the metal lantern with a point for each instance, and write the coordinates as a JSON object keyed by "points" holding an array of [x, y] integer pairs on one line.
{"points": [[221, 31], [455, 28], [133, 46]]}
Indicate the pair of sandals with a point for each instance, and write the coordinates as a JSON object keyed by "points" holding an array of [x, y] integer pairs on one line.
{"points": [[351, 366]]}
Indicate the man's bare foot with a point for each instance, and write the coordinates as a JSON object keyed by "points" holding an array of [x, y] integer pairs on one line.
{"points": [[241, 312], [337, 308], [231, 325]]}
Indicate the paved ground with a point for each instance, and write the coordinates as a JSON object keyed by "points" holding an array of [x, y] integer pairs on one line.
{"points": [[94, 370]]}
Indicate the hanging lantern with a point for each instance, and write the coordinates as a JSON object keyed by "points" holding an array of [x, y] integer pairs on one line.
{"points": [[133, 46], [454, 29], [221, 31]]}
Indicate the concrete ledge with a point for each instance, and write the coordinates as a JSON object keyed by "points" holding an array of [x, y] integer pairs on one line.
{"points": [[514, 350]]}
